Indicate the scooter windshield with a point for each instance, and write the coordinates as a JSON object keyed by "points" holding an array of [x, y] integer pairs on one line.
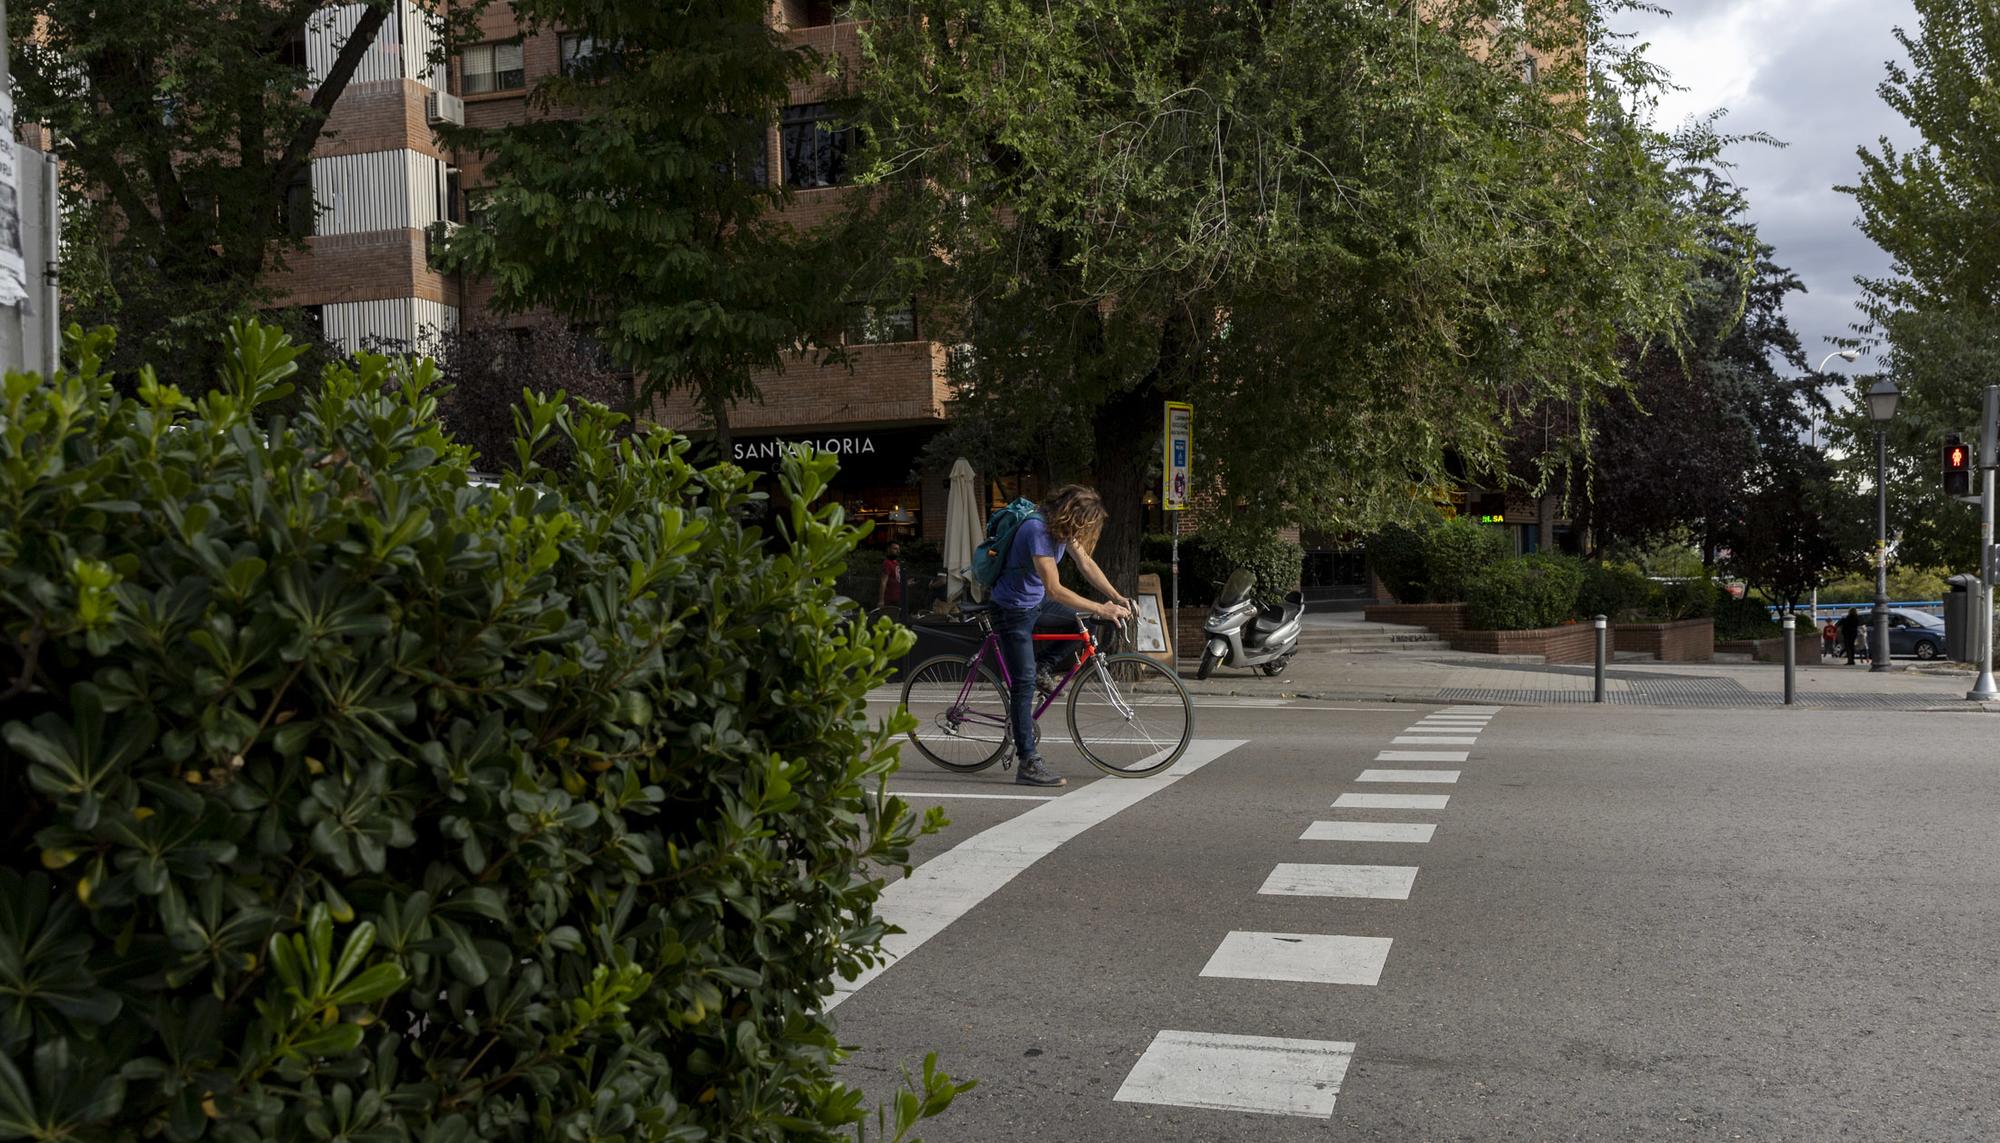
{"points": [[1237, 589]]}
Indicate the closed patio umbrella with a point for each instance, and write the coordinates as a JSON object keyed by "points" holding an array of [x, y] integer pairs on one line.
{"points": [[963, 528]]}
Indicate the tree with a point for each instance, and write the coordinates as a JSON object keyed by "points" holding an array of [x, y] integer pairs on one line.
{"points": [[1794, 525], [1356, 240], [185, 126], [1675, 454], [1936, 318], [634, 199]]}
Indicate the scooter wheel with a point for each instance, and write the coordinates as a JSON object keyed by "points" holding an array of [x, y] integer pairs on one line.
{"points": [[1208, 661]]}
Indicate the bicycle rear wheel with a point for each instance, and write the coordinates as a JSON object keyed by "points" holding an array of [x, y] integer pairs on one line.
{"points": [[1130, 716], [961, 729]]}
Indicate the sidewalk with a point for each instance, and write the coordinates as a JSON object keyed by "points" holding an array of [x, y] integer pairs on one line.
{"points": [[1463, 677]]}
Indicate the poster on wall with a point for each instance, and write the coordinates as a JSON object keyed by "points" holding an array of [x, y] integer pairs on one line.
{"points": [[13, 266], [1176, 470]]}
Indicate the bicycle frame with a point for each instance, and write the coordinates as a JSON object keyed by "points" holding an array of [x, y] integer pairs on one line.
{"points": [[991, 646]]}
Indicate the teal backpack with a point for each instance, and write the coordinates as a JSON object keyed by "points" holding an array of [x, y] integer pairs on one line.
{"points": [[989, 559]]}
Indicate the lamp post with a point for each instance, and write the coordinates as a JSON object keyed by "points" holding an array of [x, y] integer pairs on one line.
{"points": [[1847, 355], [1882, 398]]}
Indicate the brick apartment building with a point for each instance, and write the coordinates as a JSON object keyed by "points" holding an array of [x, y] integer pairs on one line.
{"points": [[383, 182]]}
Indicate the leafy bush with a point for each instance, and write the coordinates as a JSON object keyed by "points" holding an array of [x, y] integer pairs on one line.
{"points": [[1457, 555], [1396, 555], [1695, 597], [1744, 619], [1200, 565], [1526, 593], [1277, 563], [1617, 591], [349, 800]]}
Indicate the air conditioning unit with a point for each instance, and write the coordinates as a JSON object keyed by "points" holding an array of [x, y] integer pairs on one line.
{"points": [[444, 107]]}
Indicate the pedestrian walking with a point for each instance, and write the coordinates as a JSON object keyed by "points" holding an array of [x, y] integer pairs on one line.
{"points": [[1829, 638], [1850, 631]]}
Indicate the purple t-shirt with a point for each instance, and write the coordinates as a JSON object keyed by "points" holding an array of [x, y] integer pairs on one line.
{"points": [[1019, 586]]}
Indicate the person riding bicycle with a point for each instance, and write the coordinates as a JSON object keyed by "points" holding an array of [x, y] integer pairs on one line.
{"points": [[1029, 596]]}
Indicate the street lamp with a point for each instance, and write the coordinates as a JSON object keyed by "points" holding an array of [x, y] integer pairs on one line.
{"points": [[1847, 355], [1882, 398]]}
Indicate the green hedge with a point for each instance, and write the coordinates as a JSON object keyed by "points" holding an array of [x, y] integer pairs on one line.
{"points": [[1457, 555], [348, 800], [1208, 560], [1396, 555], [1526, 593]]}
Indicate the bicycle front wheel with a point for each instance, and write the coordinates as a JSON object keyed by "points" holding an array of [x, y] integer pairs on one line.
{"points": [[961, 728], [1130, 716]]}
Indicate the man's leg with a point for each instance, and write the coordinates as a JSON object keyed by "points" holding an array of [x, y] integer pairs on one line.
{"points": [[1055, 658], [1016, 628]]}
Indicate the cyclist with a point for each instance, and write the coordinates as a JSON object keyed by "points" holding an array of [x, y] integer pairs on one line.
{"points": [[1029, 596]]}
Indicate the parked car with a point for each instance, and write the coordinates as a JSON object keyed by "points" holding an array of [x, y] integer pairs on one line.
{"points": [[1915, 633]]}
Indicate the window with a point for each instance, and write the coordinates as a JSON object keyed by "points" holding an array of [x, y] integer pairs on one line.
{"points": [[587, 55], [752, 163], [867, 323], [815, 150], [491, 67], [813, 13], [301, 210], [450, 195]]}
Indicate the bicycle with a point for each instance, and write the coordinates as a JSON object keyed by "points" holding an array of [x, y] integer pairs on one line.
{"points": [[1129, 716]]}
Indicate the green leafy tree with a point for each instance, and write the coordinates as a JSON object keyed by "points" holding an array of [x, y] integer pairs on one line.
{"points": [[634, 197], [1356, 239], [1935, 318], [1794, 525], [184, 128]]}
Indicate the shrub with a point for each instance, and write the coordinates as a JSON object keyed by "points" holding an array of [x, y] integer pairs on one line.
{"points": [[1277, 563], [1616, 591], [1458, 554], [1744, 619], [349, 800], [1692, 598], [1526, 593], [1396, 556]]}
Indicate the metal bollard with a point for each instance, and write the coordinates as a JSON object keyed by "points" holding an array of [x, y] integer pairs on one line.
{"points": [[1602, 632], [1791, 655]]}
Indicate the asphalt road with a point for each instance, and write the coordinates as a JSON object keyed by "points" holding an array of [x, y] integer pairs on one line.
{"points": [[1628, 924]]}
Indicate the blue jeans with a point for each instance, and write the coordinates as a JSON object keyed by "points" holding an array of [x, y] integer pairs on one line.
{"points": [[1016, 627]]}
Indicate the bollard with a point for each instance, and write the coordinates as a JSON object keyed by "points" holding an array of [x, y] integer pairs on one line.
{"points": [[1602, 632], [1791, 654]]}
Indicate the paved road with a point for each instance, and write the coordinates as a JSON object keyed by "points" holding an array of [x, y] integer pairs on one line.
{"points": [[1627, 924]]}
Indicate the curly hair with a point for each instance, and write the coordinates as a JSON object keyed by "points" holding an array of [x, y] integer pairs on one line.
{"points": [[1075, 515]]}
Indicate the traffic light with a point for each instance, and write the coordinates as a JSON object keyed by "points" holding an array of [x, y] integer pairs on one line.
{"points": [[1956, 461]]}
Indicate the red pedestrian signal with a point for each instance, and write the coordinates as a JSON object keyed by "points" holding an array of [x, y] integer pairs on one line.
{"points": [[1957, 465]]}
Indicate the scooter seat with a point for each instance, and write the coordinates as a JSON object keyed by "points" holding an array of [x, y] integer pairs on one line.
{"points": [[1293, 607]]}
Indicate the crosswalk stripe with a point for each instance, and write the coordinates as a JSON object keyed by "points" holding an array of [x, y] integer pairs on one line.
{"points": [[1222, 1072], [1377, 882], [1417, 832], [1391, 801], [1422, 756], [1427, 740], [1305, 958], [1440, 776]]}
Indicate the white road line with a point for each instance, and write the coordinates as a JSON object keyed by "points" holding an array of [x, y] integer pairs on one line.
{"points": [[947, 886], [1425, 740], [1422, 756], [1391, 801], [1262, 1074], [1439, 720], [1303, 957], [1417, 832], [994, 797], [1378, 882], [1442, 776], [1470, 710]]}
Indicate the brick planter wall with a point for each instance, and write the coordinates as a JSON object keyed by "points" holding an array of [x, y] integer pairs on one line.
{"points": [[1443, 618], [1573, 643], [1772, 650], [1685, 641]]}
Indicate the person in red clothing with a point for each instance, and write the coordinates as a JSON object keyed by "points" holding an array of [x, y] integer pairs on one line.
{"points": [[890, 589], [1829, 636]]}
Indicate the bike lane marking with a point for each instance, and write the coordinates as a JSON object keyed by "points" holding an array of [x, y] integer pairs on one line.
{"points": [[1434, 776], [1379, 882], [1220, 1072], [1424, 756], [1412, 832], [1392, 801], [949, 885], [1305, 958]]}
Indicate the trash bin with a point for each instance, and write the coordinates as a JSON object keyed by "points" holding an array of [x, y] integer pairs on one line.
{"points": [[1959, 638]]}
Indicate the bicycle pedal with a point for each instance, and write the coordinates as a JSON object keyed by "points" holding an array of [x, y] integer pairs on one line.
{"points": [[1006, 764]]}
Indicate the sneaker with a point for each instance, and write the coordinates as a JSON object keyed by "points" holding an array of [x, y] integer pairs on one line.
{"points": [[1034, 773], [1045, 684]]}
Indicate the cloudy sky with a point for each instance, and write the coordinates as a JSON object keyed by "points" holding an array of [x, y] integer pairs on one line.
{"points": [[1804, 71]]}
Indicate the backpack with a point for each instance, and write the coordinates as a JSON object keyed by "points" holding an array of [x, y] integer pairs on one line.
{"points": [[989, 559]]}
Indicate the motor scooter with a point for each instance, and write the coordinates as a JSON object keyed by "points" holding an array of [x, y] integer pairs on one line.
{"points": [[1242, 633]]}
